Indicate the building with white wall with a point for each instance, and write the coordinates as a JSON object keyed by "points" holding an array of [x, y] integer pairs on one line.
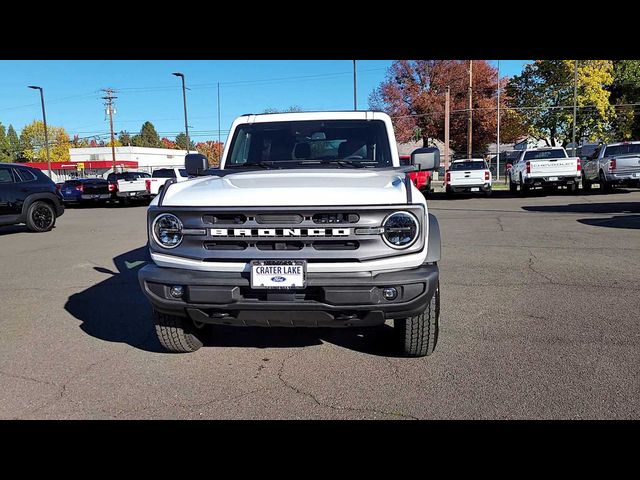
{"points": [[147, 159]]}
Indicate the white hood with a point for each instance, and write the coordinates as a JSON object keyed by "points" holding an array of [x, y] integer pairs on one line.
{"points": [[306, 187]]}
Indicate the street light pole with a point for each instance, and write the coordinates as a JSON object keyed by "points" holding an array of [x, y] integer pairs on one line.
{"points": [[355, 98], [184, 99], [46, 134]]}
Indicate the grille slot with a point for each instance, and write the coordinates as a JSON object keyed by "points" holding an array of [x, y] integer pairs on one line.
{"points": [[279, 246], [336, 217], [224, 245], [224, 219], [279, 218], [336, 245]]}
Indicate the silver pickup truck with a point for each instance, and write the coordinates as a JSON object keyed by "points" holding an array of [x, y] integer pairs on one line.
{"points": [[611, 165]]}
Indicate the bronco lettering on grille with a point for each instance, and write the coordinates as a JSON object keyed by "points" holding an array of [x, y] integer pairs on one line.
{"points": [[280, 232]]}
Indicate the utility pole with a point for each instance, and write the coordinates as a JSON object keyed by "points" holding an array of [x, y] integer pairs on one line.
{"points": [[575, 98], [470, 124], [498, 135], [219, 138], [355, 101], [447, 102], [44, 119], [108, 102]]}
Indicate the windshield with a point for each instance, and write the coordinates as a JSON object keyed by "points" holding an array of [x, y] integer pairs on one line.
{"points": [[471, 165], [310, 143], [544, 154], [617, 150]]}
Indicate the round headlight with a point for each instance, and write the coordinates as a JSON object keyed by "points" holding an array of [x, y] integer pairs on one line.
{"points": [[167, 230], [400, 230]]}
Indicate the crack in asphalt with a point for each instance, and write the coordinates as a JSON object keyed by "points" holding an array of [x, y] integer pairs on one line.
{"points": [[328, 405], [500, 223], [530, 266], [190, 406], [63, 388], [23, 377], [394, 367]]}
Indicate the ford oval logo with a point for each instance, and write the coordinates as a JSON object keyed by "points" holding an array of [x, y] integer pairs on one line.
{"points": [[278, 279]]}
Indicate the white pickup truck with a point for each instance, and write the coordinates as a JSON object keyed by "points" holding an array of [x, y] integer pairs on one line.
{"points": [[160, 176], [309, 222], [544, 167], [611, 165], [127, 186], [468, 176]]}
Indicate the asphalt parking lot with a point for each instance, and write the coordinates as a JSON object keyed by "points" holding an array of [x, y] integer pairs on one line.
{"points": [[539, 319]]}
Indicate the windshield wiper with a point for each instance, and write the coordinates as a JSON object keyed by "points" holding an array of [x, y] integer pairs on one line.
{"points": [[263, 164], [340, 162]]}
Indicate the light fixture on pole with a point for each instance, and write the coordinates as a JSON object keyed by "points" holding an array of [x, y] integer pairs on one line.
{"points": [[184, 99], [46, 134]]}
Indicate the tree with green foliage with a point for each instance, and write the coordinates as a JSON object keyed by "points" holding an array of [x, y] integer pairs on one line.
{"points": [[33, 147], [148, 137], [14, 143], [544, 91], [625, 90], [124, 138], [5, 152], [181, 142]]}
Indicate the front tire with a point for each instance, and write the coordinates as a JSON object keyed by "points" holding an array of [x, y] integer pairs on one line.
{"points": [[41, 217], [176, 334], [418, 335], [513, 188], [605, 186], [524, 189]]}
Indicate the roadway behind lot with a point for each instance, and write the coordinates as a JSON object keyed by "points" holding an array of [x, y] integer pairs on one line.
{"points": [[539, 319]]}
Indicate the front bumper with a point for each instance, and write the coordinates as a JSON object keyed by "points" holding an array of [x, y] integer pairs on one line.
{"points": [[329, 300]]}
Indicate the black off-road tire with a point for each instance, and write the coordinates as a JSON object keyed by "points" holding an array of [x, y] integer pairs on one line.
{"points": [[524, 188], [176, 334], [418, 335], [41, 216], [605, 186]]}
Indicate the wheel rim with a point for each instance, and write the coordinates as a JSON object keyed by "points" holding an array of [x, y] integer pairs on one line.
{"points": [[42, 217]]}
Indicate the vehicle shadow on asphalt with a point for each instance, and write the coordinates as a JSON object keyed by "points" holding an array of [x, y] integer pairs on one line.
{"points": [[369, 340], [628, 211], [115, 310], [9, 229]]}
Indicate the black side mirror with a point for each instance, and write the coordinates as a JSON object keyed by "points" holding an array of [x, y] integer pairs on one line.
{"points": [[426, 158], [195, 164]]}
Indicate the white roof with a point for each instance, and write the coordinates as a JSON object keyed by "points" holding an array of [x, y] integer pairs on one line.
{"points": [[332, 115], [468, 160]]}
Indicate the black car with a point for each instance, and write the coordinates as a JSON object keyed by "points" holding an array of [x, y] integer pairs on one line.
{"points": [[28, 196], [85, 190]]}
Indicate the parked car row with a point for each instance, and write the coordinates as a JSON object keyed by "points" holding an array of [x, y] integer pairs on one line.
{"points": [[120, 187]]}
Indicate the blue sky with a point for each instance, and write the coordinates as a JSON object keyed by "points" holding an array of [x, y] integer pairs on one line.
{"points": [[148, 91]]}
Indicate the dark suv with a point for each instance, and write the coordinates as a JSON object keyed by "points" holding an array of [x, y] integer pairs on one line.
{"points": [[28, 196]]}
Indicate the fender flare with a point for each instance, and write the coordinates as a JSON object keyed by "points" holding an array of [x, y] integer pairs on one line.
{"points": [[434, 249], [38, 196]]}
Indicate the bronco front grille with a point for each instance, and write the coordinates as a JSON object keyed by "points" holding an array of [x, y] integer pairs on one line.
{"points": [[315, 234]]}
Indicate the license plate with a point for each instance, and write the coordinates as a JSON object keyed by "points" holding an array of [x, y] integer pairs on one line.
{"points": [[475, 189], [553, 179], [132, 194], [278, 274]]}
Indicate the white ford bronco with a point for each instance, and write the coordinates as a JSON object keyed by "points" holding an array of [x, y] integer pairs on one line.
{"points": [[309, 222]]}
